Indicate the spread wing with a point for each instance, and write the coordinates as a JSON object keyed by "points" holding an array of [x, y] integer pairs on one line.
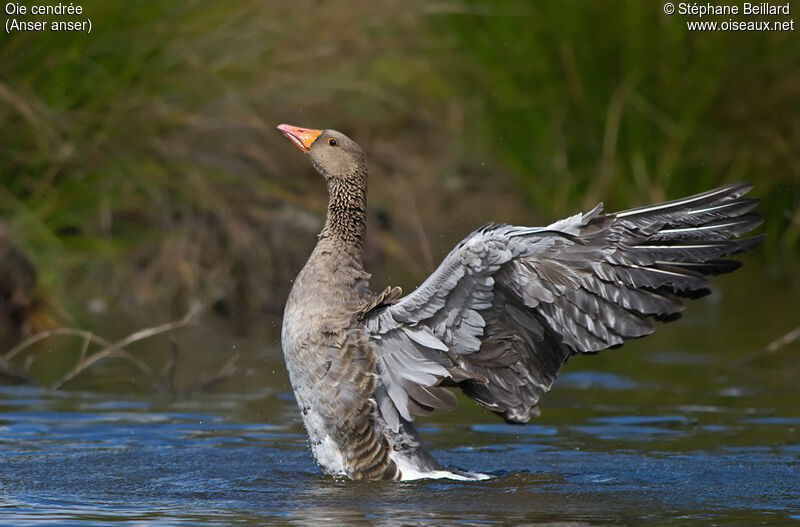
{"points": [[509, 305]]}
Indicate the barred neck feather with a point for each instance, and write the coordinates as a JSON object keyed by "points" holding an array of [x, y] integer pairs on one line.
{"points": [[346, 222]]}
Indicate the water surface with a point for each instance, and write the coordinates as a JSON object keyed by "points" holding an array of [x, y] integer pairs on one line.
{"points": [[672, 429]]}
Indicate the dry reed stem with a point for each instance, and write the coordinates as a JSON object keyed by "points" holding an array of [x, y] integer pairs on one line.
{"points": [[772, 347], [33, 339], [227, 371], [117, 348], [108, 349]]}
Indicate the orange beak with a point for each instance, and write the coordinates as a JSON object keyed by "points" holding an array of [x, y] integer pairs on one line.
{"points": [[302, 137]]}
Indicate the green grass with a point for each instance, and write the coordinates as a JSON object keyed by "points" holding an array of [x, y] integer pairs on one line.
{"points": [[614, 101], [141, 162]]}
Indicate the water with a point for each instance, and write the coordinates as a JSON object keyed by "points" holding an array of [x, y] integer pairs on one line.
{"points": [[668, 430], [83, 459]]}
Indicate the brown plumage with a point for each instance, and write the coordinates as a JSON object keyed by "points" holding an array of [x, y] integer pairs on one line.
{"points": [[498, 318]]}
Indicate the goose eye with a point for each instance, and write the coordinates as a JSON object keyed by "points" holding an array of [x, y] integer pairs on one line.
{"points": [[333, 142]]}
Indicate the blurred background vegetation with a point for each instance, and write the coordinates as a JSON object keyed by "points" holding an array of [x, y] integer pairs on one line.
{"points": [[141, 172]]}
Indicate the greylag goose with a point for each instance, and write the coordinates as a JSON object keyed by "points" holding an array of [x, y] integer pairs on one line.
{"points": [[498, 318]]}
